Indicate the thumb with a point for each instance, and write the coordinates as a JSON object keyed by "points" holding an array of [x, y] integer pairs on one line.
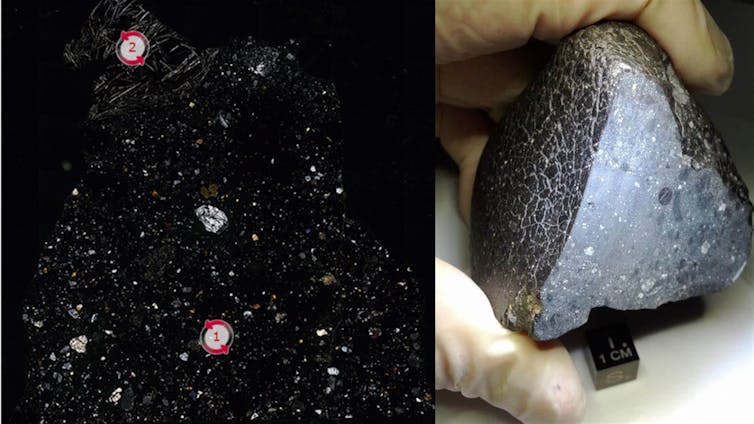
{"points": [[475, 355]]}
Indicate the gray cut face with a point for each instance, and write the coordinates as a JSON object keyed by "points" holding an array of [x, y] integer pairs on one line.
{"points": [[605, 185]]}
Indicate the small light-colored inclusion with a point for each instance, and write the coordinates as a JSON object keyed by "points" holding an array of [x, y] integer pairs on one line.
{"points": [[116, 395], [79, 344], [213, 218]]}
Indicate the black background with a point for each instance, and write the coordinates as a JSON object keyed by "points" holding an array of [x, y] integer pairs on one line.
{"points": [[380, 56]]}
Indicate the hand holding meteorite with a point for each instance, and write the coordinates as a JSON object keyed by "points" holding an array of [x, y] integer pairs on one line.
{"points": [[482, 68]]}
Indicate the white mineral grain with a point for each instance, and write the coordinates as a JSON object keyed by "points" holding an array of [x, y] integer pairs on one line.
{"points": [[212, 218]]}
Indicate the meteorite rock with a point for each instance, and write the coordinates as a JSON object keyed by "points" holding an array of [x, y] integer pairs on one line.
{"points": [[605, 185], [213, 189]]}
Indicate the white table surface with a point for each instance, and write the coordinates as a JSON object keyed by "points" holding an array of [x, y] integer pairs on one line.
{"points": [[697, 357]]}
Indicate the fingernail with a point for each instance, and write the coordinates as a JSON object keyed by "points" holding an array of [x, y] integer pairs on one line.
{"points": [[723, 76]]}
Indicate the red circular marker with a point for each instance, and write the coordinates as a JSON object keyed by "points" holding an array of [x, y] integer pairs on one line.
{"points": [[132, 48], [216, 337]]}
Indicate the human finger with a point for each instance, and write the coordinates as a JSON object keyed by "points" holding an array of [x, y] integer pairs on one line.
{"points": [[463, 134], [475, 355], [700, 52], [490, 80]]}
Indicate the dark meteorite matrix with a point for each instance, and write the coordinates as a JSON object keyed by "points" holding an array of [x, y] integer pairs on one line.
{"points": [[213, 190], [605, 185]]}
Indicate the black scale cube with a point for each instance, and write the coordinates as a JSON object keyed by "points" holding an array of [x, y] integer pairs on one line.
{"points": [[613, 358]]}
